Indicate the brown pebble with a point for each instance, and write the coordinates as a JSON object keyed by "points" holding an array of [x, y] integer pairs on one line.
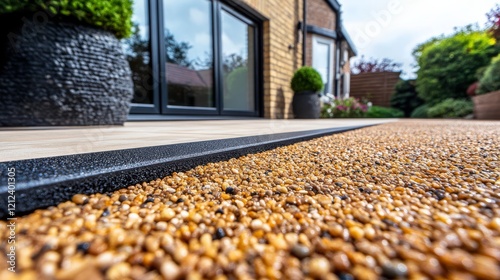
{"points": [[319, 266], [300, 251], [79, 199]]}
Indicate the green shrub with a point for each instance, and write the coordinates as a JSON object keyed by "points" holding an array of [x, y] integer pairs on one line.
{"points": [[405, 97], [451, 108], [306, 79], [490, 81], [384, 112], [111, 15], [448, 65], [344, 108], [420, 112]]}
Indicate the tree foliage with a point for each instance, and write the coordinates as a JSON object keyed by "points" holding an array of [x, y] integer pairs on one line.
{"points": [[375, 65], [451, 108], [111, 15], [405, 97], [177, 52], [138, 57], [494, 21], [447, 65], [491, 77]]}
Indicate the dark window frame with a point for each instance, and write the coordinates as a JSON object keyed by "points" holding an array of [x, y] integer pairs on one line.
{"points": [[158, 57], [154, 108]]}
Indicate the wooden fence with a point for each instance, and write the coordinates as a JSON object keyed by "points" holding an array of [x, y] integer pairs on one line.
{"points": [[487, 106], [377, 87]]}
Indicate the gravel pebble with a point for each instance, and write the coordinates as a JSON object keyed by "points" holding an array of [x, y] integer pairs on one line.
{"points": [[411, 199]]}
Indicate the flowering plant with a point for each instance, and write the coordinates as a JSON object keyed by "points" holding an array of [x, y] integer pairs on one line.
{"points": [[345, 108]]}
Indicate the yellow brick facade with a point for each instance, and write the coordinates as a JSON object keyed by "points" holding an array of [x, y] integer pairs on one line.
{"points": [[282, 53]]}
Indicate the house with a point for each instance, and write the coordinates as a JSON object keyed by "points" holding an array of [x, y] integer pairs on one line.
{"points": [[232, 58]]}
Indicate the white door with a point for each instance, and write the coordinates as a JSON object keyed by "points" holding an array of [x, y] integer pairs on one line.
{"points": [[323, 50]]}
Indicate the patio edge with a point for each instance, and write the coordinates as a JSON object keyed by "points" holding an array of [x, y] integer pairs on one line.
{"points": [[45, 182]]}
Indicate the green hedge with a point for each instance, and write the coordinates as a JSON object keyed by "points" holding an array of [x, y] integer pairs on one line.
{"points": [[306, 79], [384, 112], [490, 81], [111, 15], [420, 112], [451, 108]]}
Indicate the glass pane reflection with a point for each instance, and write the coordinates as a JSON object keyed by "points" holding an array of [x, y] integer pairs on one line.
{"points": [[238, 63], [137, 51], [189, 56]]}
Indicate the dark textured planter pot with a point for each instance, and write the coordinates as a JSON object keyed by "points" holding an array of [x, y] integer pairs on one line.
{"points": [[62, 74], [306, 105], [487, 106]]}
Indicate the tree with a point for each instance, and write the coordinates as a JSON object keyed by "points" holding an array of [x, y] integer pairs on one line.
{"points": [[138, 56], [375, 65], [448, 64], [232, 62], [177, 52], [405, 97], [494, 22]]}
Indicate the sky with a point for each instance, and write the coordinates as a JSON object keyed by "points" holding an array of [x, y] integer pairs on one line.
{"points": [[393, 28]]}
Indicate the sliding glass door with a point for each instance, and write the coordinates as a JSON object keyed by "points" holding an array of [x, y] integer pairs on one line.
{"points": [[208, 54], [238, 67], [188, 49]]}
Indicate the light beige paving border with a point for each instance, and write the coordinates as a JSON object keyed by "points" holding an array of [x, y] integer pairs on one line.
{"points": [[29, 143]]}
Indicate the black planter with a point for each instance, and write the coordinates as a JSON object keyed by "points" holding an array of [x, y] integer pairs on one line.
{"points": [[306, 105], [54, 74]]}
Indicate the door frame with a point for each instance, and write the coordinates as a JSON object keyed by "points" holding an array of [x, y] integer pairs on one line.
{"points": [[316, 40], [159, 53]]}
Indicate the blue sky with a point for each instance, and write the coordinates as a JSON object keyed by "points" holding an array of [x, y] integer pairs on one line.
{"points": [[392, 28]]}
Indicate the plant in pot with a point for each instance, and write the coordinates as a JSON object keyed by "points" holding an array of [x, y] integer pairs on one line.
{"points": [[306, 83], [61, 62]]}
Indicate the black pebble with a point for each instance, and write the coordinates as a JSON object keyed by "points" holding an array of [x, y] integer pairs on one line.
{"points": [[219, 234], [394, 271], [230, 190], [219, 211], [123, 198], [149, 199], [83, 247], [180, 200], [439, 195], [105, 213], [344, 197], [339, 184], [345, 276], [325, 234]]}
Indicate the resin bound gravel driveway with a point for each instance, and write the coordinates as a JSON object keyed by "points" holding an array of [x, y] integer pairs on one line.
{"points": [[412, 199]]}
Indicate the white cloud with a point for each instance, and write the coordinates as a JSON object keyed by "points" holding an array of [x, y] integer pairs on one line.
{"points": [[198, 17], [393, 28]]}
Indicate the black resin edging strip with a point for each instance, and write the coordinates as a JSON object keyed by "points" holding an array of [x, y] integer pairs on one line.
{"points": [[40, 183]]}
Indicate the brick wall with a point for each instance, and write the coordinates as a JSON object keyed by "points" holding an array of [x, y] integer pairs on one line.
{"points": [[319, 13], [280, 61], [376, 87]]}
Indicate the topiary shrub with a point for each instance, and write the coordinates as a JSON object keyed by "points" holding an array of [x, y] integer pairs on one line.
{"points": [[114, 16], [306, 79], [420, 112], [384, 112], [490, 81], [451, 108]]}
